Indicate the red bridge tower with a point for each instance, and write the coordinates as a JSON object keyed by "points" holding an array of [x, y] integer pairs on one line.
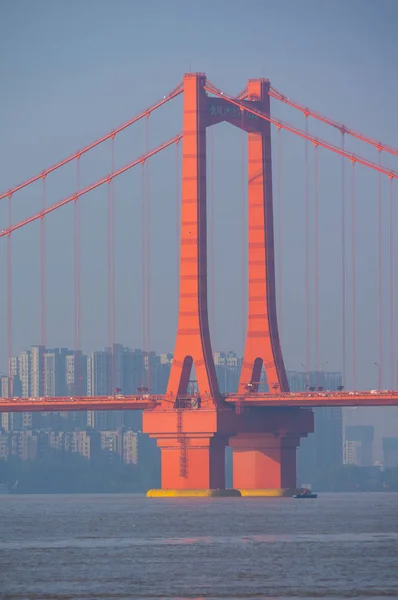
{"points": [[192, 432]]}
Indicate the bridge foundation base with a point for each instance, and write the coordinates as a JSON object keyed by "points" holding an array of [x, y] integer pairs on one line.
{"points": [[270, 493], [192, 452], [264, 462], [193, 494]]}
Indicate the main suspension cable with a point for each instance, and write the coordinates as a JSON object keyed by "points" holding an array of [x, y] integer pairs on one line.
{"points": [[175, 92], [307, 111], [11, 228], [323, 144]]}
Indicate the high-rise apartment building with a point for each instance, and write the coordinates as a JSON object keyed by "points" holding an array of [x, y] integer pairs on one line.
{"points": [[105, 377], [24, 372], [97, 374], [390, 452], [132, 370], [322, 450], [6, 386], [55, 372], [358, 445], [37, 371], [76, 373], [228, 366]]}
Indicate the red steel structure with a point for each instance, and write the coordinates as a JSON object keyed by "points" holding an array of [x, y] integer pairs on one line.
{"points": [[264, 457], [192, 430]]}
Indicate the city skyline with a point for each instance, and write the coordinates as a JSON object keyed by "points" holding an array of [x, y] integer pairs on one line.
{"points": [[199, 240], [384, 420], [46, 107]]}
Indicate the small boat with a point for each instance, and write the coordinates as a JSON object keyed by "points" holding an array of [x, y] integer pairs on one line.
{"points": [[305, 494]]}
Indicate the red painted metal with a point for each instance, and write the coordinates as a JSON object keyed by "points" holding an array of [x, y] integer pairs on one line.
{"points": [[193, 456], [76, 403], [193, 430], [343, 265], [307, 111], [211, 210], [144, 381], [322, 143], [76, 286], [393, 383], [307, 255], [353, 277], [380, 278], [316, 282], [262, 338], [9, 281], [193, 337], [304, 399], [243, 240], [111, 271], [183, 445], [43, 268], [264, 460], [165, 404], [147, 234], [178, 211], [279, 274]]}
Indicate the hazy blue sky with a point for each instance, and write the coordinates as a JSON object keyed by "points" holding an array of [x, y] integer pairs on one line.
{"points": [[73, 70]]}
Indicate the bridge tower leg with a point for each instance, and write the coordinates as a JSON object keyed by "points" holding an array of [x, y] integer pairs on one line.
{"points": [[192, 448], [193, 337], [262, 340], [264, 457]]}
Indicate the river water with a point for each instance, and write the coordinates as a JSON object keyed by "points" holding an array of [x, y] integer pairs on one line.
{"points": [[123, 547]]}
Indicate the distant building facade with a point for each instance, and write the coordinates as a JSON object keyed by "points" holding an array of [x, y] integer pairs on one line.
{"points": [[358, 445], [390, 452], [228, 367], [322, 450]]}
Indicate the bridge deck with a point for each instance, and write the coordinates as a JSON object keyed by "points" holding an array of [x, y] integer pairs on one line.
{"points": [[69, 403], [304, 399], [318, 399]]}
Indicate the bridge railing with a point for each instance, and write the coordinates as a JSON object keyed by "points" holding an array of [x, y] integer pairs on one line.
{"points": [[314, 394]]}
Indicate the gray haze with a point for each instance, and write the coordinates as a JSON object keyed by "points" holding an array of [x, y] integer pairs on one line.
{"points": [[72, 71]]}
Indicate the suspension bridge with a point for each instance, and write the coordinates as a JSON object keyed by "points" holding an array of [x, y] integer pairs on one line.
{"points": [[192, 429]]}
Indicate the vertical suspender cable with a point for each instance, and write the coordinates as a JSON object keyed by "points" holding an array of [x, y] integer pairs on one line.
{"points": [[380, 279], [78, 374], [343, 264], [279, 233], [316, 205], [9, 282], [3, 291], [148, 252], [307, 258], [3, 349], [113, 287], [177, 220], [212, 236], [43, 299], [144, 382], [111, 366], [353, 258], [110, 369], [392, 291], [243, 231]]}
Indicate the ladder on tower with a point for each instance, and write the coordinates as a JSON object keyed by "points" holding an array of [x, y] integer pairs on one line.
{"points": [[183, 445]]}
